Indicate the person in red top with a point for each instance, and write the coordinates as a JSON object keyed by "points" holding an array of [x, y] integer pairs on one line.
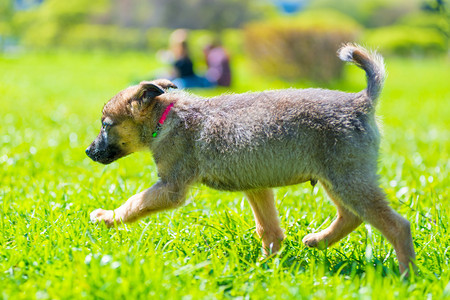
{"points": [[218, 61]]}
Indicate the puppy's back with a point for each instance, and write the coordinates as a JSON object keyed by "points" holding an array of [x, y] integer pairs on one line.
{"points": [[276, 138]]}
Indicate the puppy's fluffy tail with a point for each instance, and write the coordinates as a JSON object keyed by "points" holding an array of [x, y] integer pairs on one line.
{"points": [[371, 62]]}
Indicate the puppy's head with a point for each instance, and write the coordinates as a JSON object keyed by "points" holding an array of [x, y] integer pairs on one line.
{"points": [[122, 121]]}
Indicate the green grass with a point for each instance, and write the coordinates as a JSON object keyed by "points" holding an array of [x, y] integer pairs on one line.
{"points": [[50, 111]]}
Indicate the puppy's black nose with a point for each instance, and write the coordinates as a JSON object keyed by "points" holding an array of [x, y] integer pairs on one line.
{"points": [[87, 151]]}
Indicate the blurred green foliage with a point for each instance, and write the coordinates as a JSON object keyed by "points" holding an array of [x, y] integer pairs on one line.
{"points": [[118, 25], [398, 27], [299, 46], [214, 15], [422, 33], [157, 38], [436, 21], [74, 25], [6, 14], [406, 40], [373, 13], [94, 36]]}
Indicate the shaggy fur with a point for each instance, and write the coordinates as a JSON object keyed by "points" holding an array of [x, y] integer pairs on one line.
{"points": [[254, 142]]}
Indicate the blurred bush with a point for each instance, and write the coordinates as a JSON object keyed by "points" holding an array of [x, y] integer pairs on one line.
{"points": [[233, 41], [69, 24], [302, 46], [406, 40], [373, 13], [417, 34], [431, 20], [158, 38], [83, 37], [95, 36]]}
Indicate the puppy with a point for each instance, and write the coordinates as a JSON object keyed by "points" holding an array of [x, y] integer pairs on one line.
{"points": [[254, 142]]}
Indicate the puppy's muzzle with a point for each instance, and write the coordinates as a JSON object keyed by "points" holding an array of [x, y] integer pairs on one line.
{"points": [[90, 152], [104, 155], [93, 153]]}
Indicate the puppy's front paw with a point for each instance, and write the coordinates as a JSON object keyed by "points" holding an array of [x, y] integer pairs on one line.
{"points": [[100, 215]]}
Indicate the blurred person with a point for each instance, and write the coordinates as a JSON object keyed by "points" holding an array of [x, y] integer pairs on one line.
{"points": [[183, 68], [218, 61]]}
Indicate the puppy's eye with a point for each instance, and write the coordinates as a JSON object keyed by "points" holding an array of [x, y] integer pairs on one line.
{"points": [[105, 125]]}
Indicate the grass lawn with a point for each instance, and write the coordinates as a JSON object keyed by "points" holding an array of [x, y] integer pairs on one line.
{"points": [[50, 111]]}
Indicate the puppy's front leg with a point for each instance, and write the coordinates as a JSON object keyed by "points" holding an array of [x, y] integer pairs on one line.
{"points": [[161, 196], [266, 218]]}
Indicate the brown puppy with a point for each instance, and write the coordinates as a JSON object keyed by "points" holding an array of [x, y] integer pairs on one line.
{"points": [[256, 141]]}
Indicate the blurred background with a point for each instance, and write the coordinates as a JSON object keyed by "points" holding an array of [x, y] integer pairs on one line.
{"points": [[288, 40], [60, 61]]}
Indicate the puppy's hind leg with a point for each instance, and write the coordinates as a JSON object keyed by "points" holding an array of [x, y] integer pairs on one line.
{"points": [[345, 222], [361, 195], [266, 218], [392, 225]]}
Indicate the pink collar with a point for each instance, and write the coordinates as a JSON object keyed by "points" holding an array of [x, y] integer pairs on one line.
{"points": [[162, 120]]}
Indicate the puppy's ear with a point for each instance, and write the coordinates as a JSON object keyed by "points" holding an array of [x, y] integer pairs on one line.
{"points": [[151, 89], [165, 83], [148, 90]]}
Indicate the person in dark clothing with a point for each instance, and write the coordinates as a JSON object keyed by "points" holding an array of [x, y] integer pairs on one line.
{"points": [[184, 67], [184, 76]]}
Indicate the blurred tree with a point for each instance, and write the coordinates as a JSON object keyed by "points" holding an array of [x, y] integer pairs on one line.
{"points": [[47, 24], [373, 13], [6, 27], [440, 7], [434, 5], [6, 14], [202, 14], [54, 21]]}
